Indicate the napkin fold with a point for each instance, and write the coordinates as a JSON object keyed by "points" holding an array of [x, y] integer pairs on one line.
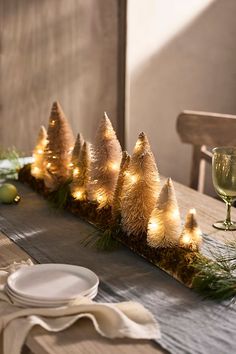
{"points": [[111, 320]]}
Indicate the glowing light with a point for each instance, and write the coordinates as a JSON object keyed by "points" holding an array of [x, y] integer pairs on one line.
{"points": [[138, 145], [114, 166], [175, 214], [192, 211], [108, 134], [133, 178], [153, 225], [78, 194], [40, 151], [101, 198], [49, 165], [76, 172], [186, 238], [54, 157], [70, 165], [53, 122], [36, 171]]}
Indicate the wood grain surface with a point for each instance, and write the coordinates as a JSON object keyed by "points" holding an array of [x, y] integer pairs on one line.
{"points": [[82, 338]]}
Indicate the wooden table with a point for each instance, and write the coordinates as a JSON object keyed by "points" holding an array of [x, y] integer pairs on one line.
{"points": [[82, 338]]}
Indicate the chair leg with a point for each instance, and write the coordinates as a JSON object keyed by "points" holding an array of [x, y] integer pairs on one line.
{"points": [[195, 169]]}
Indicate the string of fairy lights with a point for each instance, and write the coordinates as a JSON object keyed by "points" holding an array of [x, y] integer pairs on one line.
{"points": [[97, 173]]}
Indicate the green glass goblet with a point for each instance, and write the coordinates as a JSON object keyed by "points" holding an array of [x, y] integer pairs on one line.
{"points": [[224, 181]]}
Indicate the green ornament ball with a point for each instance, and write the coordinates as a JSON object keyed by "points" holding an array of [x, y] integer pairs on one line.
{"points": [[8, 193]]}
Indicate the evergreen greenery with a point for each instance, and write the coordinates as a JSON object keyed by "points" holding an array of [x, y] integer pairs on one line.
{"points": [[12, 155]]}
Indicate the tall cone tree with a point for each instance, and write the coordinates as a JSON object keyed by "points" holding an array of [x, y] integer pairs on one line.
{"points": [[141, 188], [38, 166], [58, 150], [105, 168], [164, 226], [77, 149], [116, 204], [191, 235], [79, 185]]}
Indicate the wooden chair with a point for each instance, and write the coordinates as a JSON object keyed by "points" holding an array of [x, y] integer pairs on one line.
{"points": [[205, 130]]}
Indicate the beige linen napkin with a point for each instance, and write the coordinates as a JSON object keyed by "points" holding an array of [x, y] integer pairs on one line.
{"points": [[126, 319]]}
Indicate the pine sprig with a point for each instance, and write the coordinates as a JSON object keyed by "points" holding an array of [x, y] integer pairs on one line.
{"points": [[13, 157], [60, 196], [106, 242], [102, 241], [216, 278]]}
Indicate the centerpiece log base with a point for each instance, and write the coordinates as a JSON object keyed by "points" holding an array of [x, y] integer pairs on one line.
{"points": [[176, 261]]}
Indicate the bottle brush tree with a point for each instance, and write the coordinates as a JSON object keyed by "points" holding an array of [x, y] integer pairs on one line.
{"points": [[58, 150], [106, 164], [164, 226], [38, 166], [140, 189]]}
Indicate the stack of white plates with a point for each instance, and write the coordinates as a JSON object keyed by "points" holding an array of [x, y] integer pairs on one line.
{"points": [[51, 285]]}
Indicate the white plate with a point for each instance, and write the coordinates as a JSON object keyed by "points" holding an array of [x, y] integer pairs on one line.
{"points": [[27, 303], [20, 298], [52, 282]]}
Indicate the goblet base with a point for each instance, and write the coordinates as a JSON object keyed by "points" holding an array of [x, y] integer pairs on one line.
{"points": [[226, 226]]}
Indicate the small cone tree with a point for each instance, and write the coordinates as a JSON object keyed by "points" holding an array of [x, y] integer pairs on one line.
{"points": [[79, 185], [38, 166], [76, 150], [105, 168], [191, 235], [141, 188], [164, 226], [116, 204], [58, 149]]}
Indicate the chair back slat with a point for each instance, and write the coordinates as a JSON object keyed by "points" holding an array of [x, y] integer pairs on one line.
{"points": [[210, 129], [202, 130]]}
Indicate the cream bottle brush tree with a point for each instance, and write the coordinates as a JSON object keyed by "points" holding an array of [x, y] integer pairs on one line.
{"points": [[38, 166], [105, 167], [141, 188], [116, 204], [80, 182], [191, 235], [76, 153], [58, 150], [164, 226]]}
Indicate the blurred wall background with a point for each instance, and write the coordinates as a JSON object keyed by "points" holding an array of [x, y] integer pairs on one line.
{"points": [[180, 55], [64, 50]]}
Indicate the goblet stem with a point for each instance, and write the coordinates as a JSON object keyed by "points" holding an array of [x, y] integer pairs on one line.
{"points": [[228, 221]]}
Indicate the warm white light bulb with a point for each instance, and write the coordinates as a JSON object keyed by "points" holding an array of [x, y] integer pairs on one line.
{"points": [[114, 166], [76, 172], [153, 225], [36, 171], [175, 213], [133, 178], [40, 151], [186, 238], [100, 198], [138, 145], [78, 195]]}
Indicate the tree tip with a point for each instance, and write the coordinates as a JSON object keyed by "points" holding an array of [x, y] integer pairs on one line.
{"points": [[105, 116], [142, 136]]}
